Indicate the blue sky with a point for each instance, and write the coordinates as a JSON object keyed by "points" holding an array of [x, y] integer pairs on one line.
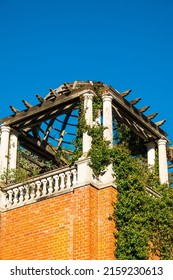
{"points": [[126, 44]]}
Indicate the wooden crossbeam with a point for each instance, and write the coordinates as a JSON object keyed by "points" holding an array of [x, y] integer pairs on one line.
{"points": [[27, 104], [14, 110], [160, 122], [31, 159], [144, 109], [125, 93], [152, 116], [135, 101], [41, 109], [40, 99]]}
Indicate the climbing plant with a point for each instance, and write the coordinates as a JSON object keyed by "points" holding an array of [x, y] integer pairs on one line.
{"points": [[100, 153], [143, 222]]}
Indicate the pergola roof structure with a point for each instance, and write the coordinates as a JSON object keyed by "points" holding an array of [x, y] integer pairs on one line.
{"points": [[52, 123]]}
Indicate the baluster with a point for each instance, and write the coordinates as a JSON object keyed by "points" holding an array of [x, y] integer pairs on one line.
{"points": [[3, 199], [32, 190], [21, 194], [10, 198], [68, 182], [74, 181], [50, 187], [62, 185], [57, 187], [44, 192], [38, 192], [27, 196], [16, 199]]}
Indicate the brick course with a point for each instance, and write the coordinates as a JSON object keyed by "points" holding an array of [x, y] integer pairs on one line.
{"points": [[74, 225]]}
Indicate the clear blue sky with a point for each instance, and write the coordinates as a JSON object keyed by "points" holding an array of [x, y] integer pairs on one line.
{"points": [[127, 44]]}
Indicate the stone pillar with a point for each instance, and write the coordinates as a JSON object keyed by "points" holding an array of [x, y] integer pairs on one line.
{"points": [[163, 165], [13, 150], [151, 154], [107, 178], [83, 169], [4, 148], [88, 96], [107, 117]]}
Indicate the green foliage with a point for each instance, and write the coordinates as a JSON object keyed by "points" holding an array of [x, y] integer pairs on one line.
{"points": [[122, 133], [79, 135], [144, 223], [100, 153], [97, 104]]}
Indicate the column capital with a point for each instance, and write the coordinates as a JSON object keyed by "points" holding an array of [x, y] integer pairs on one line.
{"points": [[5, 128], [106, 96], [162, 141], [88, 94]]}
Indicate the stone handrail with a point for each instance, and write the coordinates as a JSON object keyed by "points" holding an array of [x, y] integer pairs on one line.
{"points": [[46, 185]]}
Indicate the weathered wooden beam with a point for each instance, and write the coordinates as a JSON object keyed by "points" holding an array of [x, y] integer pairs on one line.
{"points": [[63, 129], [142, 110], [44, 108], [129, 122], [135, 101], [152, 116], [134, 114], [36, 146], [52, 90], [160, 122], [74, 84], [40, 99], [14, 110], [42, 118], [31, 159], [49, 126], [125, 93], [72, 124], [27, 104]]}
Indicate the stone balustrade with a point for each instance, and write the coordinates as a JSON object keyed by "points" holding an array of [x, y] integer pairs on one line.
{"points": [[49, 184]]}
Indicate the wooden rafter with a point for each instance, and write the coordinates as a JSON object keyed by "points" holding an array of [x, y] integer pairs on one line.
{"points": [[62, 101], [130, 111]]}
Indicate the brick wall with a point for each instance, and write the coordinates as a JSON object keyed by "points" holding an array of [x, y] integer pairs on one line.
{"points": [[75, 225]]}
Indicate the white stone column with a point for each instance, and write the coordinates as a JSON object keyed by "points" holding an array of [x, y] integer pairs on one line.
{"points": [[107, 178], [151, 154], [163, 165], [88, 97], [13, 150], [107, 117], [84, 171], [4, 148]]}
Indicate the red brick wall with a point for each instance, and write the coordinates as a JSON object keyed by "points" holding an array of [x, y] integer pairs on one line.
{"points": [[75, 225]]}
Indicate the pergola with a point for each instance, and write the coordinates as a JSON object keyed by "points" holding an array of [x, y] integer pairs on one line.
{"points": [[51, 125]]}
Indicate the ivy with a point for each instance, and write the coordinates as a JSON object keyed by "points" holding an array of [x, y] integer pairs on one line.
{"points": [[100, 153], [97, 103], [144, 223], [82, 127]]}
